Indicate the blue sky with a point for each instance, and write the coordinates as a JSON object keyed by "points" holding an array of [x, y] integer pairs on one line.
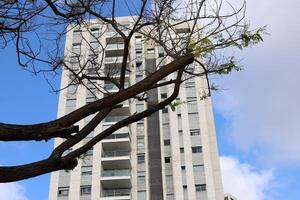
{"points": [[256, 113]]}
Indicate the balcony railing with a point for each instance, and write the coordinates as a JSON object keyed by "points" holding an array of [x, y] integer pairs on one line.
{"points": [[114, 118], [116, 192], [115, 153], [118, 59], [119, 172], [118, 136], [110, 86], [114, 46]]}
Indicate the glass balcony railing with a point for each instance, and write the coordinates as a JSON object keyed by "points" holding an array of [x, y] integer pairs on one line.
{"points": [[116, 192], [119, 172], [115, 72], [114, 46], [117, 136], [117, 59], [109, 86], [115, 153], [114, 118]]}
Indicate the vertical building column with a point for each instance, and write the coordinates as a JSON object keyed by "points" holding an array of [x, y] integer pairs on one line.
{"points": [[154, 147]]}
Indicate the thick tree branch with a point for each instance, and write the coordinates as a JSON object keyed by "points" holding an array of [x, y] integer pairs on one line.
{"points": [[96, 106]]}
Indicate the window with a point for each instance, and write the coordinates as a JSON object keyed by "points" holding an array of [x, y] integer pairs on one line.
{"points": [[94, 46], [198, 172], [90, 99], [197, 149], [200, 187], [141, 158], [191, 99], [170, 196], [161, 55], [139, 107], [76, 45], [165, 110], [63, 191], [71, 103], [166, 142], [140, 142], [151, 50], [124, 27], [86, 173], [89, 152], [180, 132], [194, 120], [192, 107], [167, 159], [181, 150], [190, 84], [184, 186], [94, 29], [138, 77], [195, 132], [77, 31], [140, 126], [182, 167], [142, 195], [163, 95], [190, 92], [138, 64], [95, 33], [85, 189], [86, 170], [141, 179]]}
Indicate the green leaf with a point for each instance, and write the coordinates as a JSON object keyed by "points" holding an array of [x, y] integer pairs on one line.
{"points": [[175, 104]]}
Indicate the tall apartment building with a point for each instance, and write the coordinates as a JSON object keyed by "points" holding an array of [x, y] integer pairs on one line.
{"points": [[169, 155]]}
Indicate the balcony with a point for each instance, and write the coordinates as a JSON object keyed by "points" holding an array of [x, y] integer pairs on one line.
{"points": [[114, 119], [118, 59], [114, 70], [116, 159], [114, 194], [112, 87], [108, 154], [116, 178], [117, 136], [115, 172], [114, 47], [116, 142]]}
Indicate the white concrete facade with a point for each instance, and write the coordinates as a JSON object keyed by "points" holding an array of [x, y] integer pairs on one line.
{"points": [[118, 167]]}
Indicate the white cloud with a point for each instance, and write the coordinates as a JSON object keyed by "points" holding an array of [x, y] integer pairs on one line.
{"points": [[262, 102], [242, 181], [12, 191]]}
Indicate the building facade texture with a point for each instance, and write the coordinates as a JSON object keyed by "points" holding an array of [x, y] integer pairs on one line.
{"points": [[170, 155]]}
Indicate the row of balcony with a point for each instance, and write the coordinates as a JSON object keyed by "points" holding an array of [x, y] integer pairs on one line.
{"points": [[116, 164]]}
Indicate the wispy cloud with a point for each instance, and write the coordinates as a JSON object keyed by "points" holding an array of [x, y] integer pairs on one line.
{"points": [[12, 191], [243, 181]]}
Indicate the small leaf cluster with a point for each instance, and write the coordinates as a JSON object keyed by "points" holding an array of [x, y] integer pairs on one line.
{"points": [[175, 104]]}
